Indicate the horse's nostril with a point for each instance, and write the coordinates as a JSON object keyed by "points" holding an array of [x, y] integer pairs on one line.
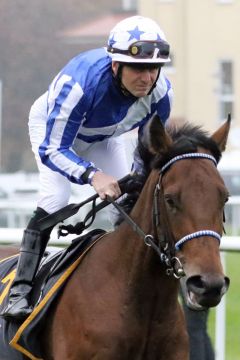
{"points": [[227, 282], [204, 285], [195, 284]]}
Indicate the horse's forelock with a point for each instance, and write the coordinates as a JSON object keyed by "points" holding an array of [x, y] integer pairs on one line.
{"points": [[186, 139]]}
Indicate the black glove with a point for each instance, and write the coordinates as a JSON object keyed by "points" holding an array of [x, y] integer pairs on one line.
{"points": [[135, 184]]}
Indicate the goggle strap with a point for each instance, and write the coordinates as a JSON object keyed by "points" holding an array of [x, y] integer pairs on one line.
{"points": [[161, 51]]}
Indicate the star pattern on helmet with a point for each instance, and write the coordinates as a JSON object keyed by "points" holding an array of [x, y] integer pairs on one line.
{"points": [[111, 41], [135, 33]]}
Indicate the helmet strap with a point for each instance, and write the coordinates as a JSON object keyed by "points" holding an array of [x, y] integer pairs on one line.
{"points": [[118, 81], [155, 83], [124, 90]]}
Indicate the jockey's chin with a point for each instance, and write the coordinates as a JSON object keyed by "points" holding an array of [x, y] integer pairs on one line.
{"points": [[140, 91]]}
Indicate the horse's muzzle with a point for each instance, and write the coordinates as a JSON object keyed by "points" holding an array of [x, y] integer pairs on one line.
{"points": [[202, 292]]}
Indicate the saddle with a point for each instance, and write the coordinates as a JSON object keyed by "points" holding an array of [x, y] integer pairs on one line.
{"points": [[56, 267]]}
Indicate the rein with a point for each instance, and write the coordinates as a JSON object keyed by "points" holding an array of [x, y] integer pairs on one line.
{"points": [[173, 264], [148, 239], [163, 243], [69, 210]]}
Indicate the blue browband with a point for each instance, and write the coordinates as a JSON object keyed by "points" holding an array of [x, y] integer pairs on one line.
{"points": [[188, 156], [200, 233]]}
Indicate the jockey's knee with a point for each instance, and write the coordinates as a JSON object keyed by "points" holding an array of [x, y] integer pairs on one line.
{"points": [[54, 202]]}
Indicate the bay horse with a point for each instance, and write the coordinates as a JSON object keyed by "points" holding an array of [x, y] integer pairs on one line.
{"points": [[122, 301]]}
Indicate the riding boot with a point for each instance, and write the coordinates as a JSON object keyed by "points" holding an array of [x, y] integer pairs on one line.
{"points": [[32, 249]]}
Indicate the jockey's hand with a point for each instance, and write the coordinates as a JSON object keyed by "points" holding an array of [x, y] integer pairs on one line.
{"points": [[105, 185]]}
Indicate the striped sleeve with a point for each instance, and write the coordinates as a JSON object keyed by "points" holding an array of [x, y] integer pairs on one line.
{"points": [[65, 97]]}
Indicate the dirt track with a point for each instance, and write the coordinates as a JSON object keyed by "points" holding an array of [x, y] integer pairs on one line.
{"points": [[6, 251]]}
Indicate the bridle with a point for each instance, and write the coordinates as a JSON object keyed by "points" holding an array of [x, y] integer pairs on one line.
{"points": [[157, 191], [163, 243]]}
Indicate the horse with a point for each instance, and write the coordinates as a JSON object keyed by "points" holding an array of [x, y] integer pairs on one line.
{"points": [[121, 302]]}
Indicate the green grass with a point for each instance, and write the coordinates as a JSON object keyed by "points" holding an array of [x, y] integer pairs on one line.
{"points": [[232, 351]]}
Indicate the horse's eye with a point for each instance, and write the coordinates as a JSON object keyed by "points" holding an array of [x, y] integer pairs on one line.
{"points": [[170, 201], [226, 199]]}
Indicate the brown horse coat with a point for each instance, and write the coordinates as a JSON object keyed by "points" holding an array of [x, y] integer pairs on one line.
{"points": [[120, 304]]}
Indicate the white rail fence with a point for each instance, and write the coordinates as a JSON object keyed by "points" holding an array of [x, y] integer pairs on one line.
{"points": [[229, 243]]}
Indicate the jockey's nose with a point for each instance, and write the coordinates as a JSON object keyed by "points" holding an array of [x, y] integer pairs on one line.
{"points": [[146, 75]]}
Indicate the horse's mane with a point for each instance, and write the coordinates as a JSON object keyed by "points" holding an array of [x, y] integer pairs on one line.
{"points": [[186, 139]]}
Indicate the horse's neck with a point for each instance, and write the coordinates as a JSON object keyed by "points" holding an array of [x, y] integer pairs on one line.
{"points": [[143, 210], [141, 263]]}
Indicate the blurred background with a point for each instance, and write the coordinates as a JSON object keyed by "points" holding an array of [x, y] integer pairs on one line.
{"points": [[37, 38]]}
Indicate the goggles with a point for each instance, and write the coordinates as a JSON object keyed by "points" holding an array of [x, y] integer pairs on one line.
{"points": [[145, 50]]}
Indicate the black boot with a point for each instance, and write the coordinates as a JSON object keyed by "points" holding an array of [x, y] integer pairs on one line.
{"points": [[28, 262], [32, 249]]}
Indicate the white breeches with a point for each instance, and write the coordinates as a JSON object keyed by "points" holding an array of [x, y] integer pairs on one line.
{"points": [[55, 189]]}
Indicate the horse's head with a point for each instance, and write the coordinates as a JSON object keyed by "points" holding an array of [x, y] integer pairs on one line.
{"points": [[191, 201]]}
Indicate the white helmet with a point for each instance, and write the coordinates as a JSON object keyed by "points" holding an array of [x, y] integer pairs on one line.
{"points": [[138, 39]]}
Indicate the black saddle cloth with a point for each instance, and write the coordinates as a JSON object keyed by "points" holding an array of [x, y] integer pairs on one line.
{"points": [[55, 270]]}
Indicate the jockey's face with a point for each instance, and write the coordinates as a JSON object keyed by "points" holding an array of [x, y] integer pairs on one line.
{"points": [[137, 78]]}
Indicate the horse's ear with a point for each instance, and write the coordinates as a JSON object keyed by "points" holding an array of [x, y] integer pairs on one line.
{"points": [[159, 139], [221, 135]]}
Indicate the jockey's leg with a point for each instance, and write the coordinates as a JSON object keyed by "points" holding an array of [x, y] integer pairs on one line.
{"points": [[54, 194], [32, 249]]}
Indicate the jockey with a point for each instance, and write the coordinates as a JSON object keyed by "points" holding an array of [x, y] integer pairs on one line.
{"points": [[75, 126]]}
